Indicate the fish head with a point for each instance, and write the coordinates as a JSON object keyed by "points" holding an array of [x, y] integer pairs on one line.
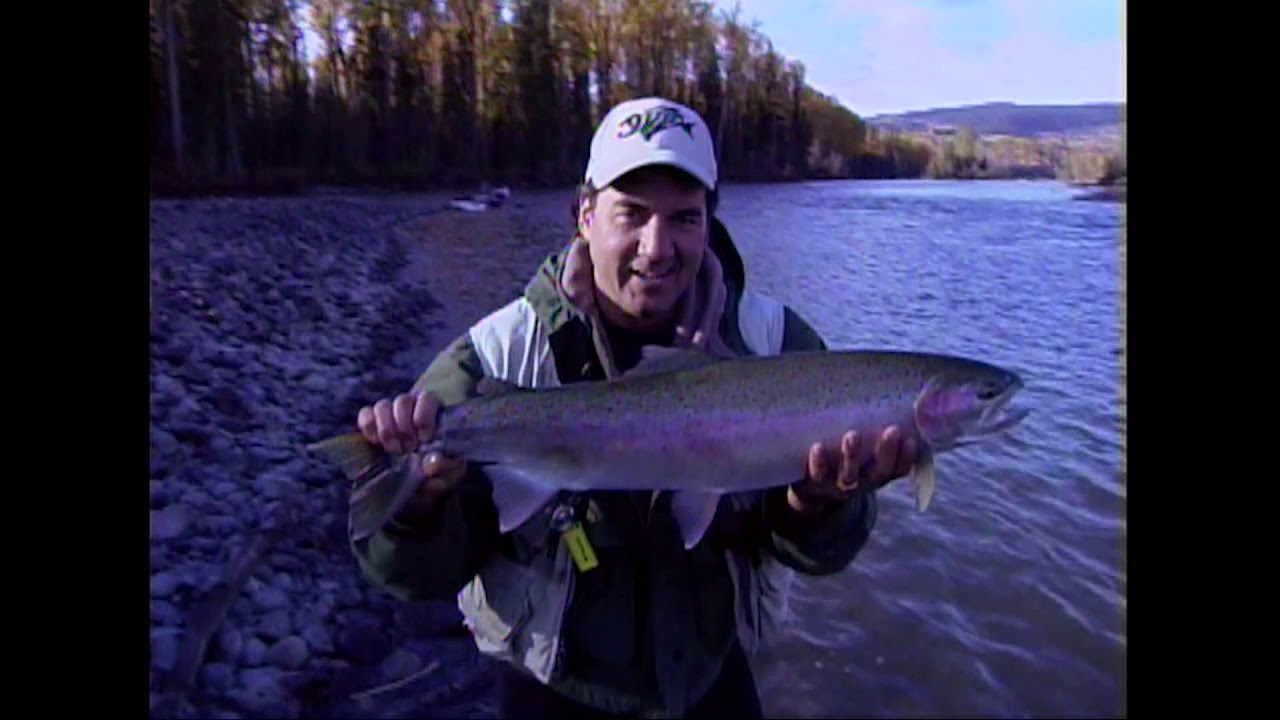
{"points": [[967, 404]]}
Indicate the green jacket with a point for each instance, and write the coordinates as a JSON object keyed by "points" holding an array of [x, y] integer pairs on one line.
{"points": [[647, 629]]}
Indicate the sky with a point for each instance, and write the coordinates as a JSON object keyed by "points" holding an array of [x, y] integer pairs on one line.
{"points": [[890, 56]]}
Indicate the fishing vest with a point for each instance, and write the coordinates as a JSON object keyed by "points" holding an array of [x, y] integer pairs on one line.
{"points": [[514, 610]]}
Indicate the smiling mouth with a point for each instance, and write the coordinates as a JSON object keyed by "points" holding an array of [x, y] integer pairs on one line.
{"points": [[652, 276]]}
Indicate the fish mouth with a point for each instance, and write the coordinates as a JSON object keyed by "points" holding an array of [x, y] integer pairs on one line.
{"points": [[999, 416]]}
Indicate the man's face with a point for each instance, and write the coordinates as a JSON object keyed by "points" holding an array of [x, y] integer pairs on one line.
{"points": [[646, 235]]}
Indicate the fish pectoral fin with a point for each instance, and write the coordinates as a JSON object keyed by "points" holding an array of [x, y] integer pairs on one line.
{"points": [[924, 479], [694, 510], [517, 495], [656, 359]]}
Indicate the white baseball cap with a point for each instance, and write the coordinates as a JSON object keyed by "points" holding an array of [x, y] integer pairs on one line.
{"points": [[651, 131]]}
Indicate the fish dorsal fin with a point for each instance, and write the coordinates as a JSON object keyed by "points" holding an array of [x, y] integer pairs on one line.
{"points": [[493, 387], [656, 359]]}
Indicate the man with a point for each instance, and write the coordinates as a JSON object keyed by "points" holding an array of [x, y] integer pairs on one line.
{"points": [[640, 627]]}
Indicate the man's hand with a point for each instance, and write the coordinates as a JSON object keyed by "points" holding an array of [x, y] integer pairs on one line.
{"points": [[834, 474], [403, 424]]}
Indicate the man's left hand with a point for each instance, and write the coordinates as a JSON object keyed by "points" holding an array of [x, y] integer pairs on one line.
{"points": [[834, 474]]}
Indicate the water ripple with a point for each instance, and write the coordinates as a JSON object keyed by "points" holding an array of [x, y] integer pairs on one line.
{"points": [[1006, 598]]}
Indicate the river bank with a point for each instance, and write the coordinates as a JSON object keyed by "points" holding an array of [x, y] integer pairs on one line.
{"points": [[274, 320]]}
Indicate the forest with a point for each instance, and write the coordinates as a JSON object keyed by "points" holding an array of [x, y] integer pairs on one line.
{"points": [[278, 95]]}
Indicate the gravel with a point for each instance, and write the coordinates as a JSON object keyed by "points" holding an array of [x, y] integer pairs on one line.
{"points": [[273, 321]]}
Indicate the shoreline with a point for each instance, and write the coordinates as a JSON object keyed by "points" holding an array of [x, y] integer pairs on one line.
{"points": [[376, 192]]}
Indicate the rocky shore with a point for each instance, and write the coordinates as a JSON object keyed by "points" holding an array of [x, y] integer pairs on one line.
{"points": [[273, 321]]}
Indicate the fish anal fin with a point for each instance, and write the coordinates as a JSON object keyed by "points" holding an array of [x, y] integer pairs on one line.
{"points": [[694, 510]]}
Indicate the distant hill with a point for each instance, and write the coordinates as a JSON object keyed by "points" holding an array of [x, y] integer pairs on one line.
{"points": [[1002, 118]]}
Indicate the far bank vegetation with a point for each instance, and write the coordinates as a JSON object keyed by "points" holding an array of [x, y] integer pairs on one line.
{"points": [[276, 95]]}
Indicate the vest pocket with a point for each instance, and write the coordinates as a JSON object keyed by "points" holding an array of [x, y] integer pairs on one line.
{"points": [[497, 604]]}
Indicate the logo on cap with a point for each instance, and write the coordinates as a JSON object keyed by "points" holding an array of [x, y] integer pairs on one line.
{"points": [[654, 121]]}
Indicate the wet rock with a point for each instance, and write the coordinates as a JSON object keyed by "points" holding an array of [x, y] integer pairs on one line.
{"points": [[197, 374], [315, 382], [217, 676], [169, 523], [160, 494], [189, 433], [254, 653], [260, 692], [166, 390], [163, 442], [273, 486], [229, 644], [229, 401], [275, 625], [289, 653], [318, 639], [159, 471], [164, 613], [164, 583], [227, 360], [176, 351], [221, 526], [165, 643], [267, 598]]}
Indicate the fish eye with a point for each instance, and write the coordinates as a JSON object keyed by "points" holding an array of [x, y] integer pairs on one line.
{"points": [[988, 391]]}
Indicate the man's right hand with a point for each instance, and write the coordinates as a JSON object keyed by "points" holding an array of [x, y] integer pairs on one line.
{"points": [[403, 424]]}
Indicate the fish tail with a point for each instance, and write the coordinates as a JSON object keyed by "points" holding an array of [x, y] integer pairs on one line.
{"points": [[351, 452], [384, 484]]}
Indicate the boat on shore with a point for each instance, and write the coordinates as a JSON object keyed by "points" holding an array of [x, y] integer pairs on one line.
{"points": [[484, 200]]}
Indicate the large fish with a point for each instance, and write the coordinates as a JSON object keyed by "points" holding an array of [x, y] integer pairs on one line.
{"points": [[693, 424]]}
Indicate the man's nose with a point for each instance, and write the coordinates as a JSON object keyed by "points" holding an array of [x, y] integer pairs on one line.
{"points": [[655, 239]]}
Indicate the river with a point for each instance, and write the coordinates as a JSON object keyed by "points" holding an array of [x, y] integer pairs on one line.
{"points": [[1007, 597]]}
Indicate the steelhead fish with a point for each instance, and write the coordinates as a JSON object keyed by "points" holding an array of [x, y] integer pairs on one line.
{"points": [[693, 424]]}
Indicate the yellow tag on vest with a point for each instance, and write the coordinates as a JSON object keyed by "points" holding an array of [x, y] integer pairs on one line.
{"points": [[584, 556]]}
